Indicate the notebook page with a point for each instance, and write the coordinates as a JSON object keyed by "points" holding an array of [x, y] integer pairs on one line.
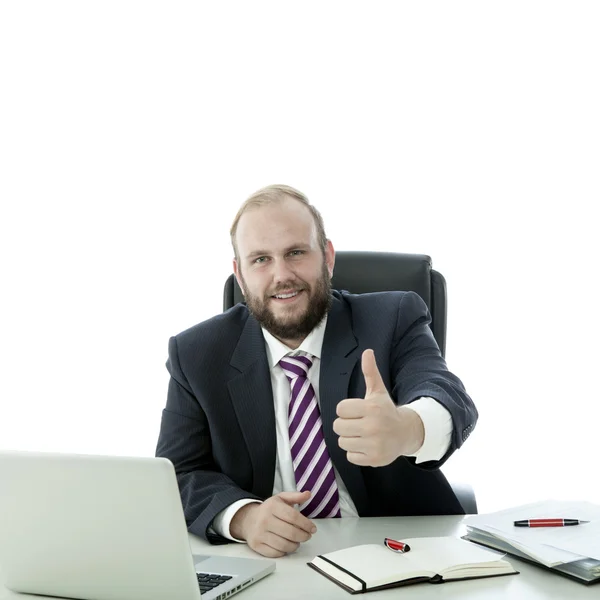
{"points": [[449, 554], [376, 565]]}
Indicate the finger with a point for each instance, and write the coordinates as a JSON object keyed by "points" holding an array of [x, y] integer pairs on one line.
{"points": [[373, 379], [352, 444], [358, 458], [292, 498], [288, 531], [269, 546], [294, 517], [349, 427], [278, 543], [265, 550], [351, 408]]}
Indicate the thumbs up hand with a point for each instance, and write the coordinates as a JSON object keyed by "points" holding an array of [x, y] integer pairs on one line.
{"points": [[373, 430]]}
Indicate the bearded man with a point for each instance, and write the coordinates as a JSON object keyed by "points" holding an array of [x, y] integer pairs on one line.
{"points": [[304, 402]]}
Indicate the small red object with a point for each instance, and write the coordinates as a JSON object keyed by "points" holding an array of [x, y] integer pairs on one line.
{"points": [[396, 546]]}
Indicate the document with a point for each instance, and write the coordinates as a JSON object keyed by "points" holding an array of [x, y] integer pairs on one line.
{"points": [[573, 550], [578, 541]]}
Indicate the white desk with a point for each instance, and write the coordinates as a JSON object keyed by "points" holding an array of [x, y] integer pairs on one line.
{"points": [[294, 580]]}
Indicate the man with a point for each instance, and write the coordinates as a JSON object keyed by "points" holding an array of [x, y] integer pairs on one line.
{"points": [[305, 402]]}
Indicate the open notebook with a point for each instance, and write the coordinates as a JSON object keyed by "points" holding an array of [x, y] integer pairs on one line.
{"points": [[435, 559]]}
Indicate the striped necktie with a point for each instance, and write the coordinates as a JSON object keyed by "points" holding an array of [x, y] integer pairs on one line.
{"points": [[312, 465]]}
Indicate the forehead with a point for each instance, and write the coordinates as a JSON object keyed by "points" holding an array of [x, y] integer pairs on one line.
{"points": [[275, 226]]}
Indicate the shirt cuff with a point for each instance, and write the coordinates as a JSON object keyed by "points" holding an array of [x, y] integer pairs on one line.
{"points": [[222, 521], [437, 423]]}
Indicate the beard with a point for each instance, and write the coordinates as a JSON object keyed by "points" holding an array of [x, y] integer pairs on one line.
{"points": [[293, 327]]}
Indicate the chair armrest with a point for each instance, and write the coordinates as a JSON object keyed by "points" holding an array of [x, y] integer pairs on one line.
{"points": [[466, 496]]}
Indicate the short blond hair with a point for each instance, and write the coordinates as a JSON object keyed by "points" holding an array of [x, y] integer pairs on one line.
{"points": [[278, 193]]}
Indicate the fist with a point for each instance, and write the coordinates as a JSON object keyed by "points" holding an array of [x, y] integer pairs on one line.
{"points": [[373, 430], [275, 527]]}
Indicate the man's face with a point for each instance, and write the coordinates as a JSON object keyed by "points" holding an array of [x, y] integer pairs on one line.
{"points": [[281, 269]]}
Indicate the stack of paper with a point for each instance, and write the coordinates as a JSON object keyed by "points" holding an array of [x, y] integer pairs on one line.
{"points": [[572, 550]]}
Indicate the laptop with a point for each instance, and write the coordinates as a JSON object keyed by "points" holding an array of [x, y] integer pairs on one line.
{"points": [[105, 528]]}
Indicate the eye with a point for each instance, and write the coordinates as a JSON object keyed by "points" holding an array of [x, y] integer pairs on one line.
{"points": [[296, 252], [260, 260]]}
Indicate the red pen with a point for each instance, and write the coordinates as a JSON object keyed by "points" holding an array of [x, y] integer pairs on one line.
{"points": [[548, 522], [396, 546]]}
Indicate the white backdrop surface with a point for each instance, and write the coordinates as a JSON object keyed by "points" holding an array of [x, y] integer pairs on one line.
{"points": [[130, 132]]}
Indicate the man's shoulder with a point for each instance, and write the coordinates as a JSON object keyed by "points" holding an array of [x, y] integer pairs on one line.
{"points": [[370, 300], [223, 328], [375, 308]]}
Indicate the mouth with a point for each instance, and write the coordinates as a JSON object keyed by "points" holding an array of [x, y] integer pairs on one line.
{"points": [[286, 297]]}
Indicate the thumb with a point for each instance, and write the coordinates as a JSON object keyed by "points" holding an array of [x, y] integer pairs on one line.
{"points": [[373, 380], [293, 498]]}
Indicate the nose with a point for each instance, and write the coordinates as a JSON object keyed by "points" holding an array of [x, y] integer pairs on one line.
{"points": [[282, 271]]}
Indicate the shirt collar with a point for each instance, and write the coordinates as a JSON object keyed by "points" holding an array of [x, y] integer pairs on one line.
{"points": [[312, 344]]}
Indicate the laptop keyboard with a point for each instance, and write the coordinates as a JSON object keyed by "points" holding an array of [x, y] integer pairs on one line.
{"points": [[209, 581]]}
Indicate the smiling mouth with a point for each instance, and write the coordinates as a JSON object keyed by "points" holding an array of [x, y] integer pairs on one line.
{"points": [[286, 296]]}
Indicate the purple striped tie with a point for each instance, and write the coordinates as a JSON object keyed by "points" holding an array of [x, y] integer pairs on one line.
{"points": [[312, 465]]}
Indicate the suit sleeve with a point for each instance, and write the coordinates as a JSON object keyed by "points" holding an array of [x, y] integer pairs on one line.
{"points": [[185, 440], [418, 369]]}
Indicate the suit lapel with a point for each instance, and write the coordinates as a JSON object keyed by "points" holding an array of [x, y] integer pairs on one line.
{"points": [[338, 358], [252, 396]]}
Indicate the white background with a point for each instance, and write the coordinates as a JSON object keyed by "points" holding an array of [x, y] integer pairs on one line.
{"points": [[470, 131]]}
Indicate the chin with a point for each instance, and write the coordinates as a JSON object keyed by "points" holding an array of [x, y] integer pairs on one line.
{"points": [[289, 319]]}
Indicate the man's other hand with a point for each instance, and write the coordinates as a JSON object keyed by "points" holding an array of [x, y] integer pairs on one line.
{"points": [[275, 527]]}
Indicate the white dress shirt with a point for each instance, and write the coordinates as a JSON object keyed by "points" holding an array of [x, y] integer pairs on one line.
{"points": [[436, 419]]}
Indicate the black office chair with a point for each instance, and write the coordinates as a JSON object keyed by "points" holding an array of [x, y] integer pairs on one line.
{"points": [[360, 272]]}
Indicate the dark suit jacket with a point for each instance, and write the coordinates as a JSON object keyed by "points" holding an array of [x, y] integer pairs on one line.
{"points": [[218, 427]]}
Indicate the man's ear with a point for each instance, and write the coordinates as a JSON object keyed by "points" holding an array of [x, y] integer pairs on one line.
{"points": [[329, 258], [236, 271]]}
